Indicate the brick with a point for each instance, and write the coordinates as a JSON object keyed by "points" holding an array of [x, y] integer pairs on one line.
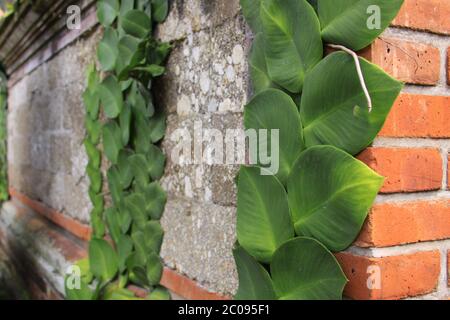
{"points": [[448, 269], [392, 224], [407, 61], [448, 171], [418, 116], [399, 276], [426, 15], [448, 66], [406, 169]]}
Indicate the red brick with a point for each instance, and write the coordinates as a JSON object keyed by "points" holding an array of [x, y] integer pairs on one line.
{"points": [[400, 276], [448, 66], [406, 169], [418, 116], [448, 269], [407, 61], [427, 15], [448, 171], [392, 224]]}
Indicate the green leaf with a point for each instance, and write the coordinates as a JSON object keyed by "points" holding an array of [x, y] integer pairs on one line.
{"points": [[154, 269], [124, 249], [156, 199], [254, 280], [107, 11], [108, 49], [98, 225], [119, 294], [153, 235], [93, 129], [251, 11], [274, 110], [160, 8], [111, 216], [95, 177], [157, 127], [136, 207], [111, 97], [139, 166], [103, 260], [153, 69], [263, 220], [258, 66], [136, 23], [303, 269], [125, 124], [81, 293], [115, 187], [350, 22], [131, 53], [159, 293], [112, 141], [330, 194], [138, 237], [124, 167], [292, 41], [92, 153], [91, 101], [156, 161], [334, 108]]}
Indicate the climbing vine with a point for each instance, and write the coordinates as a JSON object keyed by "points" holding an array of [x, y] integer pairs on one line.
{"points": [[124, 125], [326, 110]]}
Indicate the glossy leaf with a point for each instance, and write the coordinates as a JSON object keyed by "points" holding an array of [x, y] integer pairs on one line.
{"points": [[353, 23], [251, 11], [258, 66], [334, 108], [111, 97], [107, 11], [263, 220], [293, 44], [264, 112], [303, 269], [136, 23], [103, 260], [254, 281], [330, 194]]}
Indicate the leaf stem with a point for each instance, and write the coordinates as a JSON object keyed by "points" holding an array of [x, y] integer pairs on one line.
{"points": [[359, 71]]}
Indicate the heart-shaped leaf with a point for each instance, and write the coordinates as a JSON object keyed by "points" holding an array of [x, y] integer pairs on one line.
{"points": [[263, 220], [115, 187], [111, 97], [131, 53], [159, 293], [108, 49], [93, 129], [155, 200], [330, 194], [124, 249], [254, 280], [95, 177], [153, 235], [112, 141], [139, 166], [303, 269], [136, 23], [334, 108], [92, 153], [154, 269], [293, 44], [124, 167], [111, 216], [107, 11], [263, 112], [103, 260], [157, 127], [355, 23], [136, 207], [91, 100]]}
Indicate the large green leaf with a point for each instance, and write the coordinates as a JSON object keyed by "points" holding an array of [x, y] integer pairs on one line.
{"points": [[251, 11], [160, 8], [272, 110], [107, 11], [131, 53], [136, 23], [111, 96], [350, 22], [263, 220], [103, 260], [303, 269], [293, 44], [330, 194], [334, 108], [112, 141], [258, 66], [254, 280], [107, 49]]}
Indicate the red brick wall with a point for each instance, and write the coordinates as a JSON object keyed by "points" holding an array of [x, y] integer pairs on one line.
{"points": [[404, 248]]}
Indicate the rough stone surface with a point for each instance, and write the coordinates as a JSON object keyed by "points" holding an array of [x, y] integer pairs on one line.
{"points": [[46, 129]]}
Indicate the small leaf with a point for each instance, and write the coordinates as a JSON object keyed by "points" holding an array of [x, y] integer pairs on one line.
{"points": [[160, 8], [107, 11], [103, 260], [139, 166], [156, 161], [92, 153], [95, 177], [303, 269], [113, 224], [124, 167], [254, 280], [157, 127], [91, 101], [263, 219], [111, 97], [156, 199], [124, 249], [154, 269], [152, 69], [93, 129], [112, 141], [136, 23], [125, 124], [153, 235], [136, 207], [159, 293], [108, 50]]}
